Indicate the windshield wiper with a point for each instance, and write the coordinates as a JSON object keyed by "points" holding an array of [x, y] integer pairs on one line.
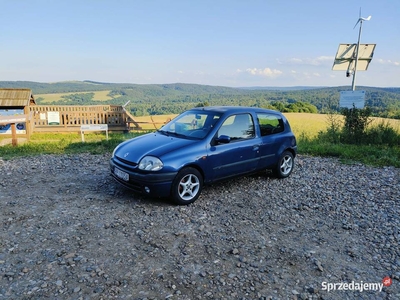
{"points": [[167, 133], [177, 134]]}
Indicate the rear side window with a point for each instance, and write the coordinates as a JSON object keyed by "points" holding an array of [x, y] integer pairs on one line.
{"points": [[270, 124]]}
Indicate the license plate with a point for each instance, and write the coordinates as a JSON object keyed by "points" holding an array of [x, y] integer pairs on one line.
{"points": [[121, 174]]}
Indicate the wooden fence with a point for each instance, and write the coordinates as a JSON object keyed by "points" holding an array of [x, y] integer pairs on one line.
{"points": [[69, 118]]}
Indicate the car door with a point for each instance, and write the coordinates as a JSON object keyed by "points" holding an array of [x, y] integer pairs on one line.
{"points": [[238, 156], [270, 125]]}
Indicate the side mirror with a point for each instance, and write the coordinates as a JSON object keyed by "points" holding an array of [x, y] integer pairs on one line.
{"points": [[223, 139]]}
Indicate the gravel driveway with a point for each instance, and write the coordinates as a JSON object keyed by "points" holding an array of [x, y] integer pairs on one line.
{"points": [[68, 231]]}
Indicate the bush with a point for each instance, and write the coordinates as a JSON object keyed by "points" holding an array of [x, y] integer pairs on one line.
{"points": [[382, 134], [333, 133], [356, 130], [355, 123]]}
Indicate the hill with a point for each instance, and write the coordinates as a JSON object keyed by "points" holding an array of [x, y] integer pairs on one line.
{"points": [[155, 99]]}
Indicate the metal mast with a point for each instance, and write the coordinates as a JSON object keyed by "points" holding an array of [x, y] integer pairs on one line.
{"points": [[353, 85]]}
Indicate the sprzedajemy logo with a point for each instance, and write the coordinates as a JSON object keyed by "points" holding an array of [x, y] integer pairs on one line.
{"points": [[356, 286]]}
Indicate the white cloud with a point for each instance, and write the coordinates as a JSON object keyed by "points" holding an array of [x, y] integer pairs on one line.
{"points": [[388, 62], [305, 75], [325, 58], [310, 75], [295, 60], [308, 61], [267, 72]]}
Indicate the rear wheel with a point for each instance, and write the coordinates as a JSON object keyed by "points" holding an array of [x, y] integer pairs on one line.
{"points": [[187, 186], [285, 165]]}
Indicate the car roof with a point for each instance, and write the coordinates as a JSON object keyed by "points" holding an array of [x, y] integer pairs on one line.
{"points": [[235, 109]]}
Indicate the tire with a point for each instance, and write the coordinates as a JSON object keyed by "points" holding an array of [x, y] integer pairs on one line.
{"points": [[187, 186], [285, 165]]}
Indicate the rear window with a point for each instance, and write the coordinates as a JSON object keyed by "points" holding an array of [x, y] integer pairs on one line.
{"points": [[270, 124]]}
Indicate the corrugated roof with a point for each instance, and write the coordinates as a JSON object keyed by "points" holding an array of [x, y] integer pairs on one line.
{"points": [[16, 97]]}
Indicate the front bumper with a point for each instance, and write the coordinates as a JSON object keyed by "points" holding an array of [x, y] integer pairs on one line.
{"points": [[152, 184]]}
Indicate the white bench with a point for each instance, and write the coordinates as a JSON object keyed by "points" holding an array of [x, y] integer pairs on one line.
{"points": [[93, 127]]}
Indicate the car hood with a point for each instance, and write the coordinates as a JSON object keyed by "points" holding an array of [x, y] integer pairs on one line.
{"points": [[154, 144]]}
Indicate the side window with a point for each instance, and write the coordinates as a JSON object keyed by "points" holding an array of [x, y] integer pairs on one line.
{"points": [[238, 127], [270, 124]]}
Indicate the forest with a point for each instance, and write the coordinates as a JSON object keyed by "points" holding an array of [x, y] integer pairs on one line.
{"points": [[158, 99]]}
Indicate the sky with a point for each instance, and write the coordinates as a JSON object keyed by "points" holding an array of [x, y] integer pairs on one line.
{"points": [[246, 43]]}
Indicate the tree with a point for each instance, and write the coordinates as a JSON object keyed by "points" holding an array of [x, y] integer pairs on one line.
{"points": [[355, 123]]}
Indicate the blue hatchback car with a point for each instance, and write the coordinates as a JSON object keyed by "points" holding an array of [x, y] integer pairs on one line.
{"points": [[204, 145]]}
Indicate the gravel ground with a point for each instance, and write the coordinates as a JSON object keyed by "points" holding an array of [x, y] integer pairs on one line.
{"points": [[68, 231]]}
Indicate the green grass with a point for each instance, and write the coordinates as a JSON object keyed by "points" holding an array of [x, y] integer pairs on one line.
{"points": [[97, 144], [305, 126], [374, 155], [40, 143]]}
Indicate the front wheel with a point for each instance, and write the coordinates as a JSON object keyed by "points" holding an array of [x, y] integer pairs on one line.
{"points": [[285, 165], [187, 185]]}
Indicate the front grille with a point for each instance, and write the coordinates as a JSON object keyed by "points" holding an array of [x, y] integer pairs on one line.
{"points": [[126, 162]]}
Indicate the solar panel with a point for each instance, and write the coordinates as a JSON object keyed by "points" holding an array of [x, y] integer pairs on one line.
{"points": [[346, 56]]}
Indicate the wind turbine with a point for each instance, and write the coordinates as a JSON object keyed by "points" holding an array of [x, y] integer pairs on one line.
{"points": [[360, 20]]}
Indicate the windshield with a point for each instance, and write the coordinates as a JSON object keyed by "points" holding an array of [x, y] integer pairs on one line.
{"points": [[191, 124]]}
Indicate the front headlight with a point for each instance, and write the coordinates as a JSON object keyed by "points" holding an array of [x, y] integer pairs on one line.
{"points": [[150, 163], [115, 149]]}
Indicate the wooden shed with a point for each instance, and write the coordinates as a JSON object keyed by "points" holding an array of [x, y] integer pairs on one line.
{"points": [[16, 98], [14, 113]]}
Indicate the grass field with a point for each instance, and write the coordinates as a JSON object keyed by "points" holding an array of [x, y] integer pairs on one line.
{"points": [[50, 98], [311, 124], [305, 126], [301, 123], [153, 122]]}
